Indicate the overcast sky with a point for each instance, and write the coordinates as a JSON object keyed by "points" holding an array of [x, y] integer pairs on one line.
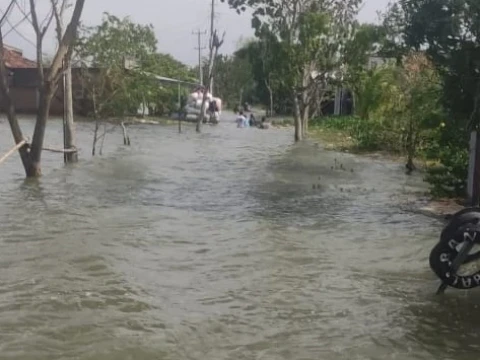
{"points": [[173, 20]]}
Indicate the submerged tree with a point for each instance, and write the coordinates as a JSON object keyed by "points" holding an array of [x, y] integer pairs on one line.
{"points": [[312, 34], [114, 55], [48, 80]]}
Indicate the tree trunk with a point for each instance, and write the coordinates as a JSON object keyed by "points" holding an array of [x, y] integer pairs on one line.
{"points": [[305, 118], [97, 125], [298, 119], [10, 109], [39, 133], [270, 95], [70, 157], [411, 145], [240, 98], [95, 136], [31, 156]]}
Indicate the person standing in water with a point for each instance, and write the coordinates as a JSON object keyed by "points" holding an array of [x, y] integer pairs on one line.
{"points": [[242, 121]]}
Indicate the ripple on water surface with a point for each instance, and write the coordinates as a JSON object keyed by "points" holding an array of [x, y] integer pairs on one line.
{"points": [[231, 244]]}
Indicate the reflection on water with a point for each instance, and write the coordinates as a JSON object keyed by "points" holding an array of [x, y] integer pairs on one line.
{"points": [[231, 244]]}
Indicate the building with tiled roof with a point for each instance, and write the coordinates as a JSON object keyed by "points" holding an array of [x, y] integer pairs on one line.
{"points": [[14, 59]]}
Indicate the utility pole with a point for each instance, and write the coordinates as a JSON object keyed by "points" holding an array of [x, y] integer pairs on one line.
{"points": [[212, 26], [200, 48]]}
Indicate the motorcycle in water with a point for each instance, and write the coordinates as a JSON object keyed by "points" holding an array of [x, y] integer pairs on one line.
{"points": [[455, 251]]}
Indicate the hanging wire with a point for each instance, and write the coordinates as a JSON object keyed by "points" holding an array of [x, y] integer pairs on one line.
{"points": [[7, 12]]}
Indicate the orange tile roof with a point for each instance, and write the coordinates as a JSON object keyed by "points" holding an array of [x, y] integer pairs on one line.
{"points": [[14, 59]]}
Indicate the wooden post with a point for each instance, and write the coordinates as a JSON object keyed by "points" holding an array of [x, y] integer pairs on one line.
{"points": [[126, 138], [11, 151]]}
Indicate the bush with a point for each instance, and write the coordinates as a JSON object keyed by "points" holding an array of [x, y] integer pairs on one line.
{"points": [[449, 179], [443, 145], [368, 135]]}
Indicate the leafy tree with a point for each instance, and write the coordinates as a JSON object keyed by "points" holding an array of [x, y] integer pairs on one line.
{"points": [[312, 34], [416, 105], [359, 77], [234, 81], [265, 57], [372, 91], [113, 90], [449, 31]]}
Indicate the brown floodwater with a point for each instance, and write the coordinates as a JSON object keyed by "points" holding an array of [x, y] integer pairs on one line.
{"points": [[230, 244]]}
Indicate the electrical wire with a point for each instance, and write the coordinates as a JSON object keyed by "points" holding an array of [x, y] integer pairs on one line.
{"points": [[24, 13], [13, 28], [4, 19], [7, 12]]}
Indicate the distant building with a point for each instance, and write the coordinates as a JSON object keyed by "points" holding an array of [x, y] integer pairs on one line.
{"points": [[23, 81]]}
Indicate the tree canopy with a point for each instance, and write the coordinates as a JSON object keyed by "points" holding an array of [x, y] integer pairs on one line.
{"points": [[117, 89]]}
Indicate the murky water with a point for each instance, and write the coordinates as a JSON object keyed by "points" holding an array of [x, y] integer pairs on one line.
{"points": [[218, 246]]}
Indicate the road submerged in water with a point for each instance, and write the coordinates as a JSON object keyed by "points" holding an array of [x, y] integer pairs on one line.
{"points": [[230, 244]]}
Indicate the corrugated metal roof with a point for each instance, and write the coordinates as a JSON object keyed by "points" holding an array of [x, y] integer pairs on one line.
{"points": [[167, 79]]}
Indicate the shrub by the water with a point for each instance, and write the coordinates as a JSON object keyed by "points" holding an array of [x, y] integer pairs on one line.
{"points": [[367, 135], [447, 178]]}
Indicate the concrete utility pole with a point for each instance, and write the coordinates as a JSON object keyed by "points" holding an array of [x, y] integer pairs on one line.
{"points": [[200, 48], [212, 29]]}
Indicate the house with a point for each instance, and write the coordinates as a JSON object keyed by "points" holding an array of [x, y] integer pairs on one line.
{"points": [[21, 71], [23, 80]]}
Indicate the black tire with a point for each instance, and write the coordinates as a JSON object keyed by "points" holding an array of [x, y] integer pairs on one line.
{"points": [[444, 250]]}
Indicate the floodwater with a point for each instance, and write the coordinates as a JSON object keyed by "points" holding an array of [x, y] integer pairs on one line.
{"points": [[230, 244]]}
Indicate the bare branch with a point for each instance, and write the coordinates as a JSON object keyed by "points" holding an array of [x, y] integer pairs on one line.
{"points": [[65, 47], [46, 23], [26, 16], [58, 19], [38, 32], [7, 12], [33, 13]]}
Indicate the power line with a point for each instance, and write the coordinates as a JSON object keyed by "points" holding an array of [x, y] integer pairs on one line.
{"points": [[24, 13], [14, 27], [4, 18], [7, 12], [212, 30]]}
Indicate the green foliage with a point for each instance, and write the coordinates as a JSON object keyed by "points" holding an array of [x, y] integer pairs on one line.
{"points": [[372, 90], [234, 82], [449, 178], [422, 103], [449, 31], [366, 134], [114, 89]]}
